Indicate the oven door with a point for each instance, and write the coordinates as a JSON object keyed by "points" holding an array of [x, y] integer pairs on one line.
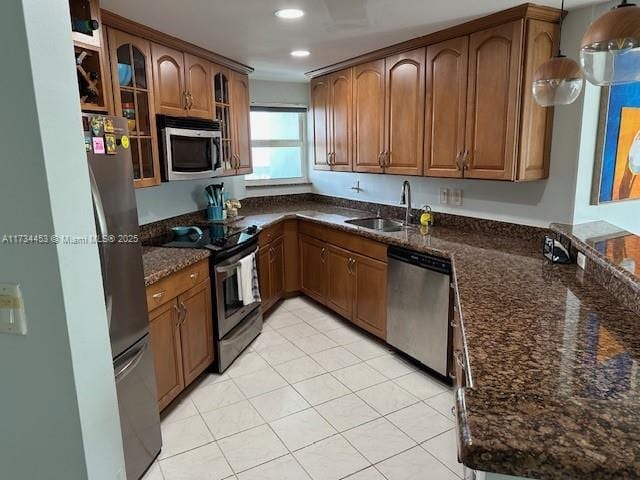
{"points": [[230, 309], [191, 154]]}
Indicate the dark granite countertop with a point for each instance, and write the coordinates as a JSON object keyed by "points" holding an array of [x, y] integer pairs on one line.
{"points": [[161, 262], [553, 356]]}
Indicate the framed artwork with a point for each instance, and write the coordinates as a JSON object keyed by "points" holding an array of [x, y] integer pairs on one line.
{"points": [[617, 166]]}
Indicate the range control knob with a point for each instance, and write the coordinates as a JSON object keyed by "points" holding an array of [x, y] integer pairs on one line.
{"points": [[252, 229]]}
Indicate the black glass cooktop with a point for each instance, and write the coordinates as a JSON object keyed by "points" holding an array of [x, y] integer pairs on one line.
{"points": [[213, 237]]}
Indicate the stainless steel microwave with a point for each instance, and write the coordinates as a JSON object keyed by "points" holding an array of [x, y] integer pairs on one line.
{"points": [[190, 148]]}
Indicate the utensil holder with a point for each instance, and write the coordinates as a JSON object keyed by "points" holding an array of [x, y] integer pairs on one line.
{"points": [[214, 212]]}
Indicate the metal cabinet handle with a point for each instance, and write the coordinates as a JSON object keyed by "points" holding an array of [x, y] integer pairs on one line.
{"points": [[189, 100], [185, 104], [380, 159], [177, 309], [193, 276], [465, 160], [159, 295], [458, 161], [351, 266], [323, 253], [386, 159], [184, 312]]}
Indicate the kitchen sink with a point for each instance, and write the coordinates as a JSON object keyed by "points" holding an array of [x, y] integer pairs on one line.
{"points": [[377, 223]]}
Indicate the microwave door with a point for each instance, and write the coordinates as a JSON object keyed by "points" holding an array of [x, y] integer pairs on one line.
{"points": [[190, 154]]}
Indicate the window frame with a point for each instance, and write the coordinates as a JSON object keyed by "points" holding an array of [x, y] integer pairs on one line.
{"points": [[302, 143]]}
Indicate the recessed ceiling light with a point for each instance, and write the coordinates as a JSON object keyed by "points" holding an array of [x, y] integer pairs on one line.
{"points": [[300, 53], [289, 13]]}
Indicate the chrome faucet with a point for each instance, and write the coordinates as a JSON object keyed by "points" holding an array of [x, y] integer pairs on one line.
{"points": [[405, 199]]}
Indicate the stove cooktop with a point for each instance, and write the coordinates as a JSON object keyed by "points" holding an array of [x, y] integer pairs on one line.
{"points": [[217, 238]]}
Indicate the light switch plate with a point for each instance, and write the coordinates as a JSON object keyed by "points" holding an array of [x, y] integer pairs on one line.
{"points": [[456, 196], [12, 317], [444, 196], [581, 260]]}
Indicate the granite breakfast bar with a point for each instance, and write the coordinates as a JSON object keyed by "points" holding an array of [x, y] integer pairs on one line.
{"points": [[551, 356]]}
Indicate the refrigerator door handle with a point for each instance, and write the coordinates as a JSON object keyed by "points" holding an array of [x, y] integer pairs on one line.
{"points": [[121, 371], [103, 234]]}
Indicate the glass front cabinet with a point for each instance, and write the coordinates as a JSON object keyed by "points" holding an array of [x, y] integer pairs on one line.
{"points": [[132, 80]]}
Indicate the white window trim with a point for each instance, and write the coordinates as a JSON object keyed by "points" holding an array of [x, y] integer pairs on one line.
{"points": [[304, 179]]}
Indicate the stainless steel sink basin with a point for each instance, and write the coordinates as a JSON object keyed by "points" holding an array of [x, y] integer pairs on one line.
{"points": [[377, 223]]}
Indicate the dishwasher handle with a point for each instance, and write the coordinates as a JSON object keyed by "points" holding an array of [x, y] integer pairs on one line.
{"points": [[430, 262]]}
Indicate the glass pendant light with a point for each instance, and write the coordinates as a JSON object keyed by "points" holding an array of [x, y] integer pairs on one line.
{"points": [[557, 81], [610, 49]]}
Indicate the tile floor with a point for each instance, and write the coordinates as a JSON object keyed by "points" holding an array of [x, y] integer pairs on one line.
{"points": [[311, 399]]}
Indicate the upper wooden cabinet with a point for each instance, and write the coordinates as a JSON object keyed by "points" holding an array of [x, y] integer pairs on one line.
{"points": [[168, 76], [404, 121], [368, 116], [446, 107], [183, 83], [331, 104], [133, 95], [492, 102], [340, 120], [320, 99], [198, 83], [461, 106], [240, 101]]}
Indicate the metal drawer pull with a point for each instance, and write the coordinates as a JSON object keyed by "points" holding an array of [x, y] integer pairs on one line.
{"points": [[193, 276], [158, 295]]}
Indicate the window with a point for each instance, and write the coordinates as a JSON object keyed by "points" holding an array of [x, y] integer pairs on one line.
{"points": [[278, 146]]}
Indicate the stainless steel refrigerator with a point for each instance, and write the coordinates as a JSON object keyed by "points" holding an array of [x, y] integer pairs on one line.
{"points": [[110, 172]]}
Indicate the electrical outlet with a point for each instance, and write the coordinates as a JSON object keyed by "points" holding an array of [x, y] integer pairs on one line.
{"points": [[581, 260], [12, 317], [456, 196], [444, 196]]}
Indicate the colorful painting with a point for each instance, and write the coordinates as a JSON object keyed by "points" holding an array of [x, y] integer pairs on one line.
{"points": [[617, 168]]}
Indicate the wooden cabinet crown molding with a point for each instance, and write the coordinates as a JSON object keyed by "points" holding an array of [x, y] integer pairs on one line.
{"points": [[526, 10], [134, 28]]}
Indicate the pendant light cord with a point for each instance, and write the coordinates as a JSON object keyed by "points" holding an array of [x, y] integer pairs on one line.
{"points": [[560, 32]]}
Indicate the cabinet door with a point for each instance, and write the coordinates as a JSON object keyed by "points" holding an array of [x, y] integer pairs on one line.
{"points": [[167, 352], [339, 281], [312, 267], [198, 86], [196, 330], [492, 101], [537, 121], [445, 107], [242, 130], [222, 96], [404, 87], [168, 79], [370, 295], [264, 276], [368, 116], [134, 99], [320, 107], [340, 120], [276, 268]]}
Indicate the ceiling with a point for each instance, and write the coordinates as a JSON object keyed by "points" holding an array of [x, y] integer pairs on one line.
{"points": [[333, 30]]}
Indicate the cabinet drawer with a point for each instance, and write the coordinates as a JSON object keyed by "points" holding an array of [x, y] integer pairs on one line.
{"points": [[313, 230], [348, 241], [172, 286], [271, 233]]}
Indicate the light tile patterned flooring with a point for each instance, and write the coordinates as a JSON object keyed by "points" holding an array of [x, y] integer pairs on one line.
{"points": [[311, 399]]}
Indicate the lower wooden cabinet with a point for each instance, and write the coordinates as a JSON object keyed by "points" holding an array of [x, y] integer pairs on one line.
{"points": [[370, 295], [313, 254], [164, 331], [271, 269], [339, 281], [196, 330], [181, 332], [350, 283]]}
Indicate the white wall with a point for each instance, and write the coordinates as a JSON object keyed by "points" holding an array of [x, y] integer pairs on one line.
{"points": [[59, 416], [176, 198], [624, 214]]}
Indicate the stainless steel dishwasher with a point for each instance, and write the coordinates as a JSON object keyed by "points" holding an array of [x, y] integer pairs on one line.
{"points": [[418, 307]]}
